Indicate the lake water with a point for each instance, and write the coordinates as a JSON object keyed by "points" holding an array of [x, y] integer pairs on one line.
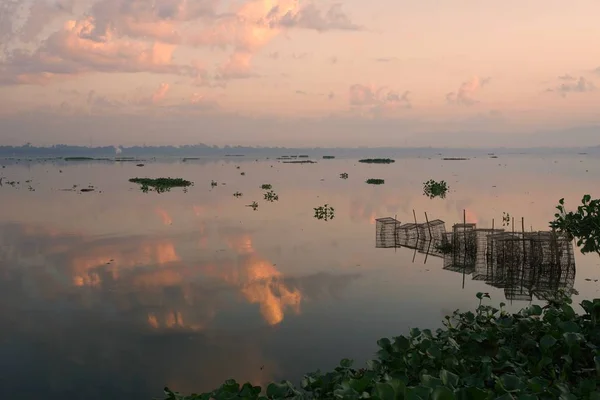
{"points": [[116, 293]]}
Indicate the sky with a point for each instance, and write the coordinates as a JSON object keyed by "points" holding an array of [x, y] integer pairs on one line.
{"points": [[300, 73]]}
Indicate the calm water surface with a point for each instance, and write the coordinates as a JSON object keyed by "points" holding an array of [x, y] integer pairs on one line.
{"points": [[114, 294]]}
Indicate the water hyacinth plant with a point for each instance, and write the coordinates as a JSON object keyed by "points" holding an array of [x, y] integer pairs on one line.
{"points": [[582, 224], [161, 185], [548, 352], [271, 196], [266, 186], [377, 161], [434, 189], [373, 181], [344, 175], [324, 212]]}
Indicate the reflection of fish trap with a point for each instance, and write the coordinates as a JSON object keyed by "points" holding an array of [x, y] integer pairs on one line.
{"points": [[385, 230], [461, 248], [482, 267]]}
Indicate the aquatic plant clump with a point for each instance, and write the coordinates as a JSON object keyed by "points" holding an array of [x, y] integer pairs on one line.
{"points": [[548, 352], [434, 189], [582, 224], [161, 185], [266, 186], [271, 196], [344, 175], [377, 161], [373, 181], [324, 212]]}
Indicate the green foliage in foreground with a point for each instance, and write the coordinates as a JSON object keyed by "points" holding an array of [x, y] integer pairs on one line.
{"points": [[583, 224], [538, 353], [373, 181], [160, 185], [377, 161], [434, 189]]}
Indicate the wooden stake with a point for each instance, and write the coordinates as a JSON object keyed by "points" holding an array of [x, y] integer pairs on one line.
{"points": [[416, 227], [428, 227]]}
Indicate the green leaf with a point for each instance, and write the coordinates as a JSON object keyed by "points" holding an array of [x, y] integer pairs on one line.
{"points": [[434, 351], [595, 396], [569, 326], [249, 392], [360, 385], [572, 339], [346, 363], [449, 379], [415, 332], [506, 396], [442, 393], [278, 390], [431, 382], [401, 343], [546, 342], [510, 383], [538, 385], [535, 310], [385, 391], [384, 343]]}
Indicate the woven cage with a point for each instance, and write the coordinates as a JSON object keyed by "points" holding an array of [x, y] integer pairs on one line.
{"points": [[385, 231]]}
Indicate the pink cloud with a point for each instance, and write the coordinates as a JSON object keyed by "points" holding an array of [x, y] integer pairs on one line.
{"points": [[464, 95], [160, 93], [141, 36], [79, 48], [378, 99]]}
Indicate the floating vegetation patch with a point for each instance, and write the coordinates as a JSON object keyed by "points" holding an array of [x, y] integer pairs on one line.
{"points": [[86, 190], [243, 174], [266, 186], [328, 157], [253, 205], [79, 158], [303, 156], [583, 224], [238, 194], [9, 183], [161, 185], [434, 189], [455, 159], [373, 181], [300, 162], [139, 165], [377, 161], [122, 159], [190, 159], [324, 212], [344, 175], [271, 196], [213, 184], [505, 219]]}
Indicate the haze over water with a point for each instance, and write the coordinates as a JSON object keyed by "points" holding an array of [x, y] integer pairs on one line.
{"points": [[116, 293]]}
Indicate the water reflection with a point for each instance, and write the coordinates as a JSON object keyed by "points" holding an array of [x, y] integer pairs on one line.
{"points": [[84, 309], [523, 264]]}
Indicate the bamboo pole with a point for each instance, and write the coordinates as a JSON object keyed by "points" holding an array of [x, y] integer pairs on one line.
{"points": [[428, 227]]}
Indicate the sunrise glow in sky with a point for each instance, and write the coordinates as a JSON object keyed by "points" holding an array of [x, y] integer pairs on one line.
{"points": [[300, 72]]}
